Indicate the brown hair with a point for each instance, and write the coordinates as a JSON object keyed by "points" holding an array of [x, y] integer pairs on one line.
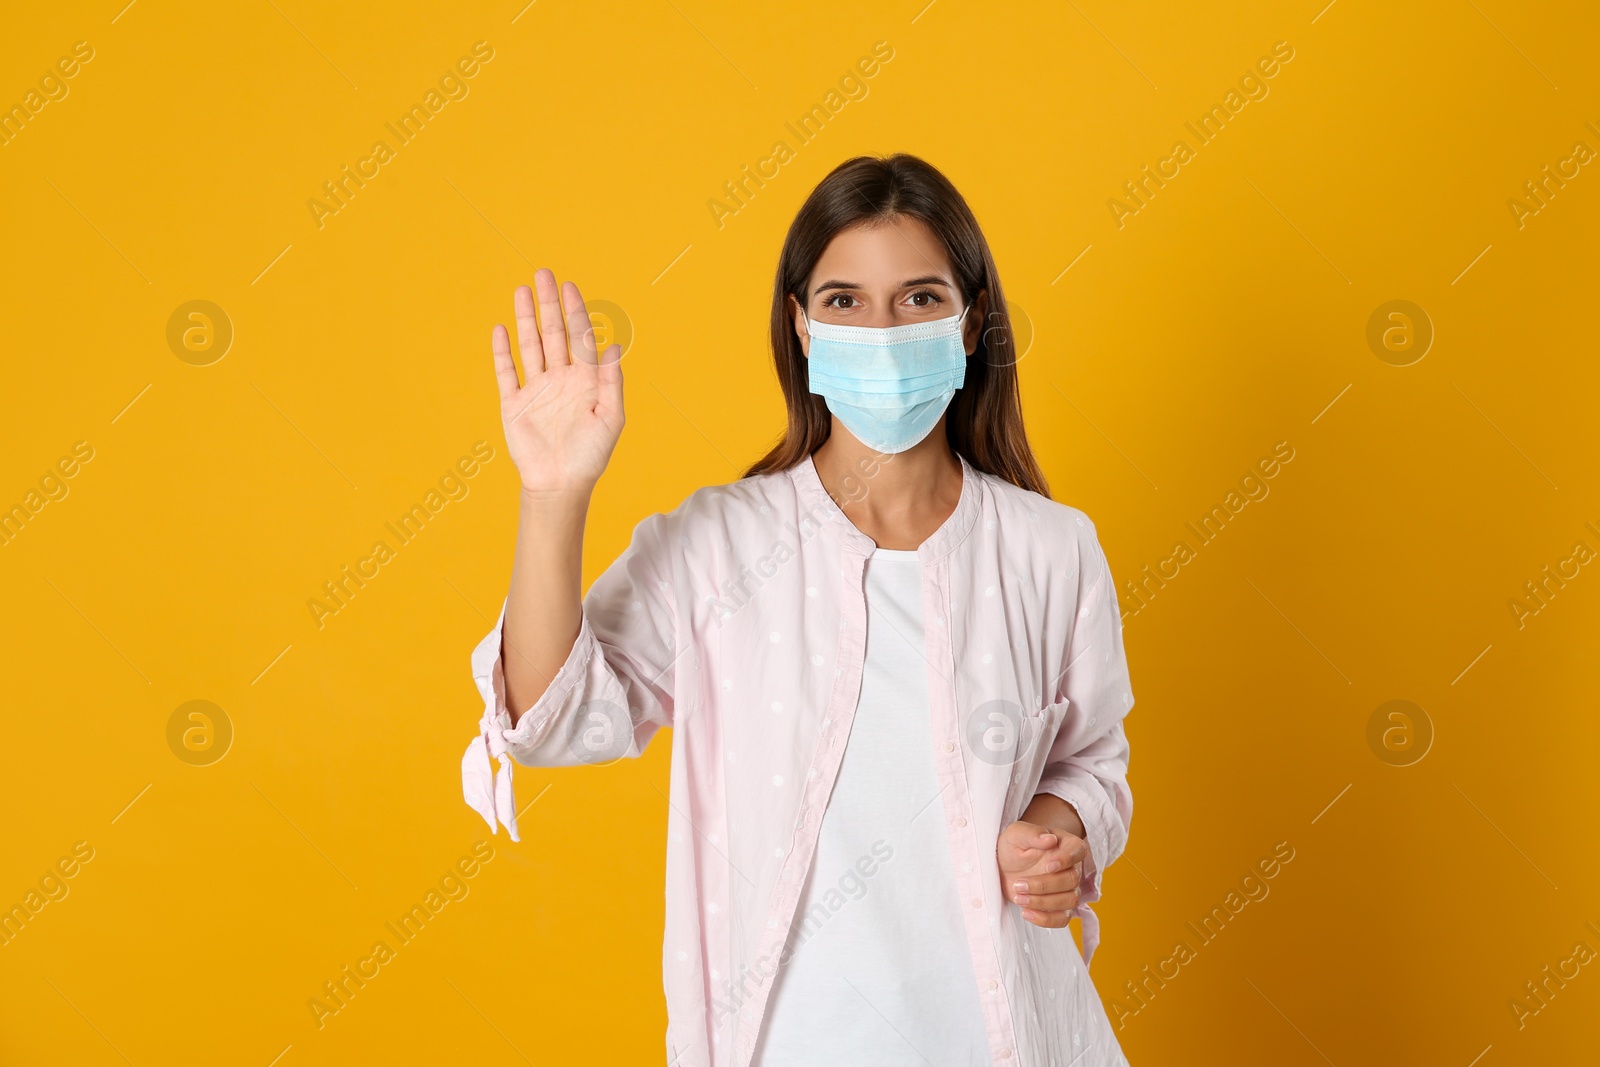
{"points": [[984, 420]]}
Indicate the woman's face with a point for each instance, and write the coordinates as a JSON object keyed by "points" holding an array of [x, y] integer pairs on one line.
{"points": [[885, 274]]}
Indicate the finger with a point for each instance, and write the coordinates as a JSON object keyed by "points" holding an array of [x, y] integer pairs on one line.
{"points": [[1024, 836], [552, 330], [1049, 901], [1059, 882], [580, 330], [610, 399], [1069, 853], [505, 371], [1047, 861], [528, 332], [1053, 920]]}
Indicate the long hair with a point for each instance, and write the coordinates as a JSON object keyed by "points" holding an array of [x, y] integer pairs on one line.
{"points": [[984, 420]]}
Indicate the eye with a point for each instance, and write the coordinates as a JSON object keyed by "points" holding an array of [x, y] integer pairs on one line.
{"points": [[925, 298], [833, 301]]}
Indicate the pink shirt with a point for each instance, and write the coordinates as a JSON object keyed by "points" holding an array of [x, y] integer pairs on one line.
{"points": [[739, 619]]}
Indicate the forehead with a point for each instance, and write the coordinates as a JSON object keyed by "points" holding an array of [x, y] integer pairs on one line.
{"points": [[884, 254]]}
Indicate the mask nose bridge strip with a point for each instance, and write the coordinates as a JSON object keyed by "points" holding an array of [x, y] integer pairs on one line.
{"points": [[885, 336]]}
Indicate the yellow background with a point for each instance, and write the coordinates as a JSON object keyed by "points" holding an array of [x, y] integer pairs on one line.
{"points": [[1224, 317]]}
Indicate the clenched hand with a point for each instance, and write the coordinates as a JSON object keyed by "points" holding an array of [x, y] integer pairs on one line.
{"points": [[1040, 871]]}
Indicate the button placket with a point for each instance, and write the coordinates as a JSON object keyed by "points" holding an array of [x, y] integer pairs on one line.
{"points": [[981, 928], [837, 716]]}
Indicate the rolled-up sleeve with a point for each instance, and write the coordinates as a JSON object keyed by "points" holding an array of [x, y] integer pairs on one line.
{"points": [[610, 696], [1088, 761]]}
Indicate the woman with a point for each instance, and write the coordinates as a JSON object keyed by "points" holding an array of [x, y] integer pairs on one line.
{"points": [[893, 666]]}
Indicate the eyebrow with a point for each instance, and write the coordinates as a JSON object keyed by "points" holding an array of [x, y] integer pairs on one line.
{"points": [[929, 279]]}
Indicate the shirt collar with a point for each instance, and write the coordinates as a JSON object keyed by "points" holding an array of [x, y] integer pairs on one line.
{"points": [[938, 545]]}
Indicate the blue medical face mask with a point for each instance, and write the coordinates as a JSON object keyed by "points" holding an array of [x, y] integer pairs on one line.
{"points": [[888, 384]]}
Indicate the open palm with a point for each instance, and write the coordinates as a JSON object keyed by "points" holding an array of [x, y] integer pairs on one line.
{"points": [[563, 421]]}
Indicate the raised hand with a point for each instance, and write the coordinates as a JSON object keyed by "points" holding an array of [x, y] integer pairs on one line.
{"points": [[563, 422], [1040, 870]]}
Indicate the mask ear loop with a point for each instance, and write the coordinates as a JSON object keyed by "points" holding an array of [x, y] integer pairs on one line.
{"points": [[961, 320]]}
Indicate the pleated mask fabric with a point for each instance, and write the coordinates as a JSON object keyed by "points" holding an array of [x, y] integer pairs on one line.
{"points": [[887, 384]]}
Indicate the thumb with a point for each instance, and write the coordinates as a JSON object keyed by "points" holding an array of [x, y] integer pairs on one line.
{"points": [[1026, 835]]}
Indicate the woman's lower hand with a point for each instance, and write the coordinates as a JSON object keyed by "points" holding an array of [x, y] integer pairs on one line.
{"points": [[1040, 871]]}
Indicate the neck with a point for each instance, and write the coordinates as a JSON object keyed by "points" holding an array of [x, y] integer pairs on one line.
{"points": [[898, 500]]}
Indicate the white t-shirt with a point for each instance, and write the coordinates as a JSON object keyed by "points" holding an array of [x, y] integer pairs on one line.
{"points": [[879, 973]]}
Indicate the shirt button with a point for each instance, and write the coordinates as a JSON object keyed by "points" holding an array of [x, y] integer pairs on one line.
{"points": [[949, 746], [1005, 1054], [977, 902], [993, 985], [961, 822]]}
